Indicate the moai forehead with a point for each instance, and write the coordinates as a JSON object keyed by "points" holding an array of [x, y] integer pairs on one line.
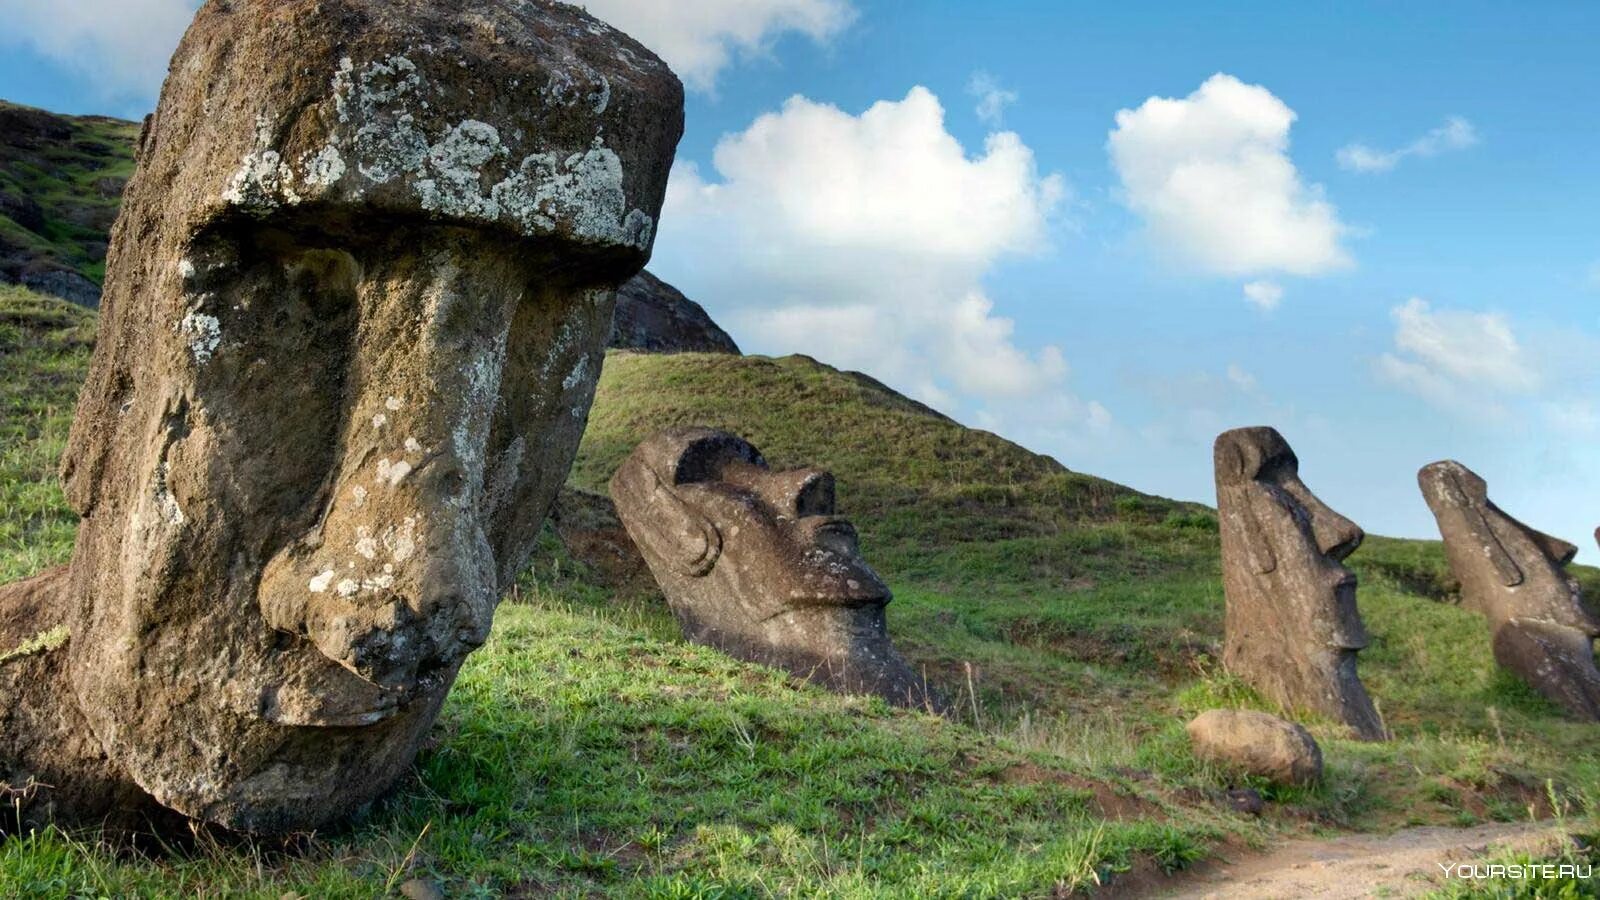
{"points": [[526, 116], [1248, 454]]}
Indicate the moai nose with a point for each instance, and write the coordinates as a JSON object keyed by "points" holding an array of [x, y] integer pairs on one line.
{"points": [[398, 578]]}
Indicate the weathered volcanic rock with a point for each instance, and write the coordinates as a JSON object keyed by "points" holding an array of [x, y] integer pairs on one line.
{"points": [[1516, 578], [1292, 627], [356, 306], [655, 317], [1258, 744], [756, 563]]}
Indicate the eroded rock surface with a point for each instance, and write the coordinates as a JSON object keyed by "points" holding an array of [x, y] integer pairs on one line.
{"points": [[756, 563], [1516, 578], [1256, 743], [356, 306], [655, 317], [1292, 627]]}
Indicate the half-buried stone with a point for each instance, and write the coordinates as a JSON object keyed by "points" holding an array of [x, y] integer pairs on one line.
{"points": [[355, 310], [757, 563]]}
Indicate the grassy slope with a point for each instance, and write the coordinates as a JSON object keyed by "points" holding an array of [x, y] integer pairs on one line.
{"points": [[78, 183], [585, 749]]}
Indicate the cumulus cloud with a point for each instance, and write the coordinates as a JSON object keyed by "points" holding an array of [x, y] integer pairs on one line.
{"points": [[123, 45], [1455, 134], [1266, 295], [1211, 176], [1458, 360], [865, 240], [992, 98], [701, 38]]}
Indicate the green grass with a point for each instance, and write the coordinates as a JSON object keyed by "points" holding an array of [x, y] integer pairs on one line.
{"points": [[587, 750], [77, 184]]}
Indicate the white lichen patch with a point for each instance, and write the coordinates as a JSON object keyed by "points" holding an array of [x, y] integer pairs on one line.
{"points": [[412, 446], [455, 170], [401, 542], [366, 544], [185, 269], [204, 334], [393, 473], [583, 193], [378, 421], [319, 584], [348, 587], [359, 495], [393, 404], [467, 170], [324, 169]]}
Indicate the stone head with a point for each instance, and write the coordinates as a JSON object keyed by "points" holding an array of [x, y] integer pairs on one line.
{"points": [[769, 542], [1293, 628], [1506, 568], [1289, 539], [355, 312]]}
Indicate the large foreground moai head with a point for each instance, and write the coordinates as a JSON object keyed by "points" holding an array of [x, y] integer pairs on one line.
{"points": [[1516, 577], [354, 317], [756, 563], [1293, 629]]}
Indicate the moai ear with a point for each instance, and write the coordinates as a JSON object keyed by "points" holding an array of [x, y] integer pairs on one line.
{"points": [[684, 538], [1483, 532], [1257, 542]]}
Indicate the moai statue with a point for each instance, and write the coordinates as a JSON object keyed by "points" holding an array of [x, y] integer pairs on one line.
{"points": [[355, 311], [1516, 578], [755, 563], [1292, 628]]}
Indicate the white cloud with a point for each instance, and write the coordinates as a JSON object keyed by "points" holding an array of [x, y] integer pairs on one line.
{"points": [[1211, 176], [1458, 360], [1241, 379], [1455, 134], [864, 240], [122, 45], [700, 38], [1266, 295], [992, 98]]}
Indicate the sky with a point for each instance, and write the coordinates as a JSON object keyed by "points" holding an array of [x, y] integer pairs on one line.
{"points": [[1109, 232]]}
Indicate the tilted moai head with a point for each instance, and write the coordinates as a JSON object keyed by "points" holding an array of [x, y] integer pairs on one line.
{"points": [[756, 563], [1292, 629], [1516, 577], [355, 313]]}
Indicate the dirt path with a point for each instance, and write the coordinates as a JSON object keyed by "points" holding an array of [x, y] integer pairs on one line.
{"points": [[1403, 864]]}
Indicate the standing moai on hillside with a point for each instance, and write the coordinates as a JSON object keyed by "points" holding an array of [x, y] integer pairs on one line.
{"points": [[1516, 578], [355, 311], [756, 563], [1292, 627]]}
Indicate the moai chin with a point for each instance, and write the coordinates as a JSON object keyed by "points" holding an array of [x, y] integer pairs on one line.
{"points": [[355, 311], [1516, 578], [756, 563], [1292, 627]]}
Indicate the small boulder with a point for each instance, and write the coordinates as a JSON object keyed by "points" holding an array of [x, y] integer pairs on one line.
{"points": [[1257, 744]]}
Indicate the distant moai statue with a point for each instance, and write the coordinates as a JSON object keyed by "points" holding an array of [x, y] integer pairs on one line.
{"points": [[1515, 577], [1292, 628], [756, 563], [355, 311]]}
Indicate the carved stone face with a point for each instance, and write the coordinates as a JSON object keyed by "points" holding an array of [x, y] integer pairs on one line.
{"points": [[1293, 629], [1516, 577], [756, 562], [355, 314]]}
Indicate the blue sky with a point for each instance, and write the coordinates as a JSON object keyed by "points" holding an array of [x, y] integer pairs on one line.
{"points": [[1090, 304]]}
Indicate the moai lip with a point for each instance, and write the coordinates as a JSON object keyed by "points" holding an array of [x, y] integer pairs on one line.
{"points": [[355, 311], [1516, 578], [758, 564], [1292, 626]]}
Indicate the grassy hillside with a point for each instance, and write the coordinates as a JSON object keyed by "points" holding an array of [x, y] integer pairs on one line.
{"points": [[586, 750], [61, 181]]}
